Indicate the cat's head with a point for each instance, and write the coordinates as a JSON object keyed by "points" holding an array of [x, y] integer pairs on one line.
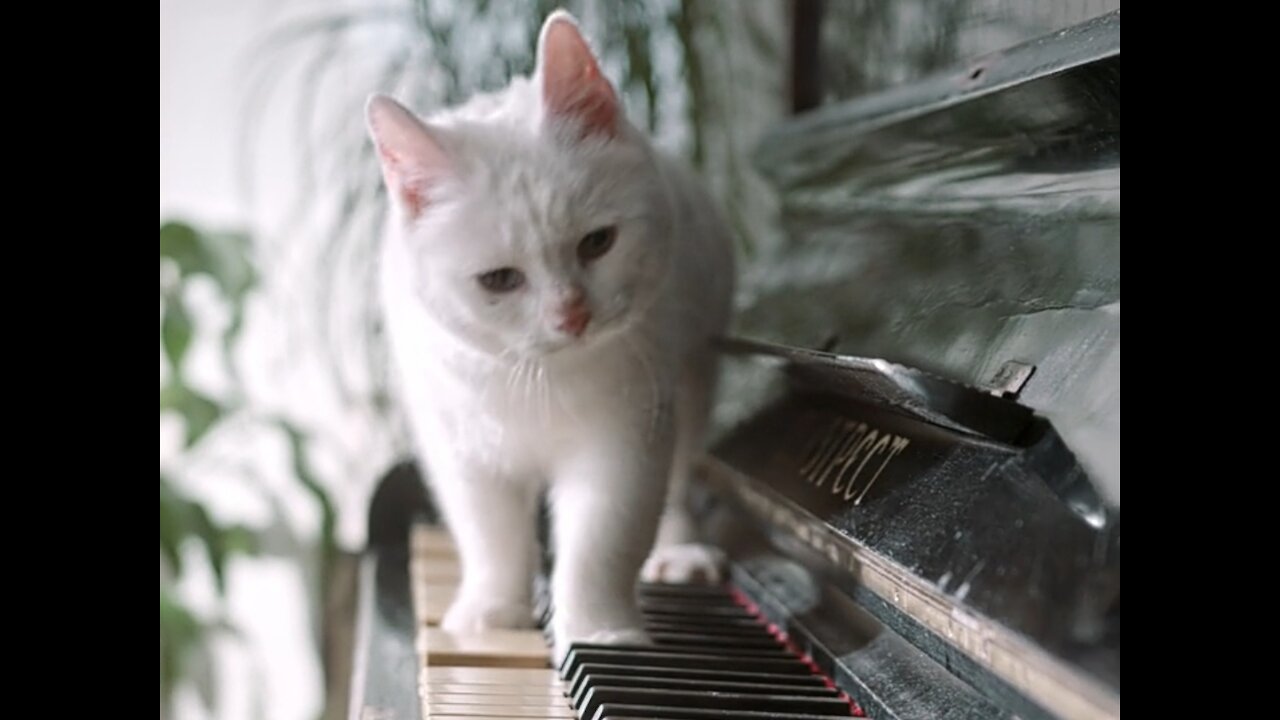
{"points": [[537, 219]]}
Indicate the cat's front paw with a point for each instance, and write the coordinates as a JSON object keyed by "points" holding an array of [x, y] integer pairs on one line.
{"points": [[624, 636], [472, 616], [684, 563]]}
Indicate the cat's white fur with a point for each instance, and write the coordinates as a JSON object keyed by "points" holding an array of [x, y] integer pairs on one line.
{"points": [[505, 405]]}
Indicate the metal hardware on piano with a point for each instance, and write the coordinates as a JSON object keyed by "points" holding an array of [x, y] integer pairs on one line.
{"points": [[903, 543]]}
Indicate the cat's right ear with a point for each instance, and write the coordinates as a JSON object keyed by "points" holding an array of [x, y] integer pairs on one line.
{"points": [[573, 86], [413, 163]]}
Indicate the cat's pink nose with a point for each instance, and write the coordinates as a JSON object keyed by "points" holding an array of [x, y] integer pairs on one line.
{"points": [[574, 318]]}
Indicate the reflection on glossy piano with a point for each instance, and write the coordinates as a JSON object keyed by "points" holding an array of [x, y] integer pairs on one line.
{"points": [[916, 476]]}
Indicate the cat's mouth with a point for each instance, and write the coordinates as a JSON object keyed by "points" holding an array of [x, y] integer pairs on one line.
{"points": [[590, 338], [565, 345]]}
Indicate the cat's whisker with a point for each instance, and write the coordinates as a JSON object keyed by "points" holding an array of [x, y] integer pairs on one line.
{"points": [[530, 390], [510, 379], [520, 390], [534, 402], [492, 376], [527, 403], [544, 391]]}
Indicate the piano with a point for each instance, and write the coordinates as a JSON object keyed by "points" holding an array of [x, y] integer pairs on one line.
{"points": [[916, 471]]}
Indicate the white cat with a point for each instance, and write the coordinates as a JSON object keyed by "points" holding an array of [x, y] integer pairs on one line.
{"points": [[550, 286]]}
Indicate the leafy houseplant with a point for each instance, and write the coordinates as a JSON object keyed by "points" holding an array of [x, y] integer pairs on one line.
{"points": [[188, 255]]}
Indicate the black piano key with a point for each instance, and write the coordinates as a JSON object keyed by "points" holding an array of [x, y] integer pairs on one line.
{"points": [[708, 621], [711, 658], [741, 651], [704, 622], [611, 711], [716, 642], [685, 601], [691, 636], [712, 684], [768, 652], [743, 631], [709, 674], [709, 600], [699, 699], [652, 657], [662, 589], [707, 624], [684, 594], [675, 607], [775, 653]]}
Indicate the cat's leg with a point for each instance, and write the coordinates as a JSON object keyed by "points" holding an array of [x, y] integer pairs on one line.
{"points": [[493, 523], [605, 504], [677, 555]]}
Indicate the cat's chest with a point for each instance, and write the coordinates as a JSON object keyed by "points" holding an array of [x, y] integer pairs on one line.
{"points": [[530, 413], [546, 398]]}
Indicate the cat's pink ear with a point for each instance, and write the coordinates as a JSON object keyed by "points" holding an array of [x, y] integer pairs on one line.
{"points": [[413, 163], [572, 85]]}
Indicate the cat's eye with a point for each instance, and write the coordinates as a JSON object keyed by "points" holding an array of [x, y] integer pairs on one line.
{"points": [[502, 280], [596, 243]]}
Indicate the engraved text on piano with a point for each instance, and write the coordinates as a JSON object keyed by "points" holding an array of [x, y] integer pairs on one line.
{"points": [[849, 457]]}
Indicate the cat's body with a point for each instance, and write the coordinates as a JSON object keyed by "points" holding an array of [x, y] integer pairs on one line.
{"points": [[550, 287]]}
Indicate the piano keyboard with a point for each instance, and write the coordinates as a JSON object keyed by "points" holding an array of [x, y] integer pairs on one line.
{"points": [[713, 657]]}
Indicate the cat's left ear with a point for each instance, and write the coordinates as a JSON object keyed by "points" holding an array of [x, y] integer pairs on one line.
{"points": [[573, 88], [413, 162]]}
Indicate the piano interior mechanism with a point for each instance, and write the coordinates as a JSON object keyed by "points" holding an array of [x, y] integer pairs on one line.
{"points": [[916, 470]]}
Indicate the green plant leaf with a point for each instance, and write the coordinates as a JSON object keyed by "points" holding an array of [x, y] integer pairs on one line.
{"points": [[199, 412], [220, 542], [175, 525], [240, 539], [175, 332], [180, 243], [231, 265], [222, 256], [180, 632], [211, 536], [302, 470], [181, 518]]}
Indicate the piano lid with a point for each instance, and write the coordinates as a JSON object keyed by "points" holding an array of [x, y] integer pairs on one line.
{"points": [[959, 224], [987, 413]]}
